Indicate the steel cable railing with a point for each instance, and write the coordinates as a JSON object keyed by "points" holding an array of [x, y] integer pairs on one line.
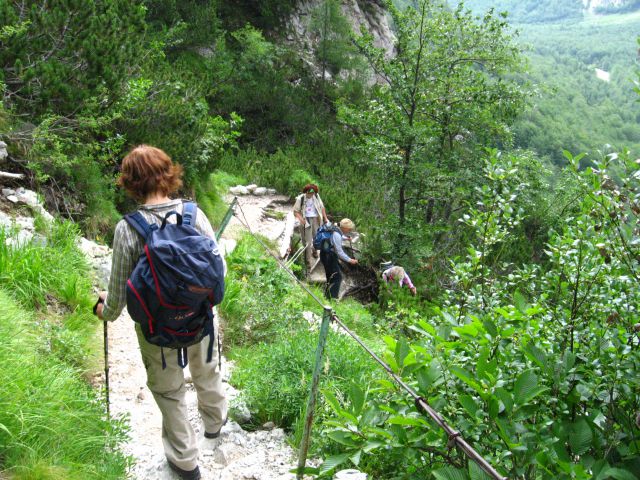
{"points": [[455, 438]]}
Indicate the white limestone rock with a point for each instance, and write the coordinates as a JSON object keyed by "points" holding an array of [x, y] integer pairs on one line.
{"points": [[239, 190], [28, 197], [260, 192]]}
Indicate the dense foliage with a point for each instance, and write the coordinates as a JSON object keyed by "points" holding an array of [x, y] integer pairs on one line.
{"points": [[538, 366]]}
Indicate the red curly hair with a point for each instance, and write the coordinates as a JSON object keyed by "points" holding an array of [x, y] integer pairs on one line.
{"points": [[310, 186], [147, 170]]}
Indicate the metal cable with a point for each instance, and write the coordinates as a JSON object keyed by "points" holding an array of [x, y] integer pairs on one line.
{"points": [[421, 404]]}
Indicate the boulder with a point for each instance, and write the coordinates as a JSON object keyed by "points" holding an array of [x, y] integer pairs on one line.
{"points": [[3, 152], [260, 191], [21, 238], [8, 191], [239, 190], [25, 223], [29, 197], [251, 187], [5, 220]]}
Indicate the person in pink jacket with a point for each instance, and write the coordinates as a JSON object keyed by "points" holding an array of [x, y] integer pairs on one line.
{"points": [[398, 274]]}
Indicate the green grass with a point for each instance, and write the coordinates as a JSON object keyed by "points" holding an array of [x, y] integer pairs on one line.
{"points": [[210, 194], [52, 422]]}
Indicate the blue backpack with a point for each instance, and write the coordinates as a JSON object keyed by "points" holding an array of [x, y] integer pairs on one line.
{"points": [[322, 240], [178, 279]]}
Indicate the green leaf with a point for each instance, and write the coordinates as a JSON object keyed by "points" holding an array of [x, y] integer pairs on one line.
{"points": [[486, 368], [469, 404], [536, 355], [427, 377], [467, 378], [306, 470], [332, 462], [526, 387], [450, 473], [476, 473], [619, 474], [416, 422], [357, 398], [332, 401], [372, 445], [580, 437], [568, 361], [355, 458], [520, 302], [343, 438], [401, 352], [490, 327]]}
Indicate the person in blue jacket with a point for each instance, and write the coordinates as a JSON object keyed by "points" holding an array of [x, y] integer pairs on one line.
{"points": [[330, 259]]}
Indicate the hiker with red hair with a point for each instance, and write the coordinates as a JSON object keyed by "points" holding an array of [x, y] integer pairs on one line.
{"points": [[310, 212]]}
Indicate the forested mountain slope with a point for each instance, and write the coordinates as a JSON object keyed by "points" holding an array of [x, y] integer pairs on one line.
{"points": [[582, 67]]}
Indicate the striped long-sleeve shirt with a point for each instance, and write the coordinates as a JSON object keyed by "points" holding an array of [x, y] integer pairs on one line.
{"points": [[128, 245]]}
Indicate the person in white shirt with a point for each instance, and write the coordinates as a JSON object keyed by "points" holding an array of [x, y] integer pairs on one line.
{"points": [[310, 212]]}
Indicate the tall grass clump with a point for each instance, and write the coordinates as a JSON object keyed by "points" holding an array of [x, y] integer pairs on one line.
{"points": [[279, 393], [52, 422]]}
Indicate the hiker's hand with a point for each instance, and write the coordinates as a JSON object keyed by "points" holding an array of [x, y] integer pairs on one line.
{"points": [[99, 309], [413, 291], [99, 306], [353, 261]]}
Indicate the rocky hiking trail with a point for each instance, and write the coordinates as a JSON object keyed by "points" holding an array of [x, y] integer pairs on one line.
{"points": [[236, 454]]}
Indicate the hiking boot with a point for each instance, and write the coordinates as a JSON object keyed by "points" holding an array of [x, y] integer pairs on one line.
{"points": [[215, 434], [185, 474]]}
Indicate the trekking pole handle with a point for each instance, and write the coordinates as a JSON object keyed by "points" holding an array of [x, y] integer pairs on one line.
{"points": [[95, 307]]}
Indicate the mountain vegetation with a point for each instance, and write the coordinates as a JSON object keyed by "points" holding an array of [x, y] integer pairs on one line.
{"points": [[485, 157]]}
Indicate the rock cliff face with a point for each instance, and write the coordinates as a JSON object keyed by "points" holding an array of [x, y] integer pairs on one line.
{"points": [[368, 13]]}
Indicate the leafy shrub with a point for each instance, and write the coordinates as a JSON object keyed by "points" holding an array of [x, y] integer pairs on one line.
{"points": [[536, 368]]}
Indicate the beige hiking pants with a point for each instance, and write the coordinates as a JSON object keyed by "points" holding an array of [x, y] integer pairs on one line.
{"points": [[168, 388], [308, 234]]}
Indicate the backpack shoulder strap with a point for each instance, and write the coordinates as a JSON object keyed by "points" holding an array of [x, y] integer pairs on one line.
{"points": [[189, 213], [139, 224]]}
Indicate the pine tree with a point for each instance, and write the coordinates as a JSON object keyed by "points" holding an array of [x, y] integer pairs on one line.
{"points": [[55, 54]]}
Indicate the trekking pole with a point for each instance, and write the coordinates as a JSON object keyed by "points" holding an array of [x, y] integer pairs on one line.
{"points": [[106, 365], [106, 353]]}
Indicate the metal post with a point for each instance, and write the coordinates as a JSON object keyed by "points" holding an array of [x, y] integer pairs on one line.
{"points": [[311, 405], [227, 217]]}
